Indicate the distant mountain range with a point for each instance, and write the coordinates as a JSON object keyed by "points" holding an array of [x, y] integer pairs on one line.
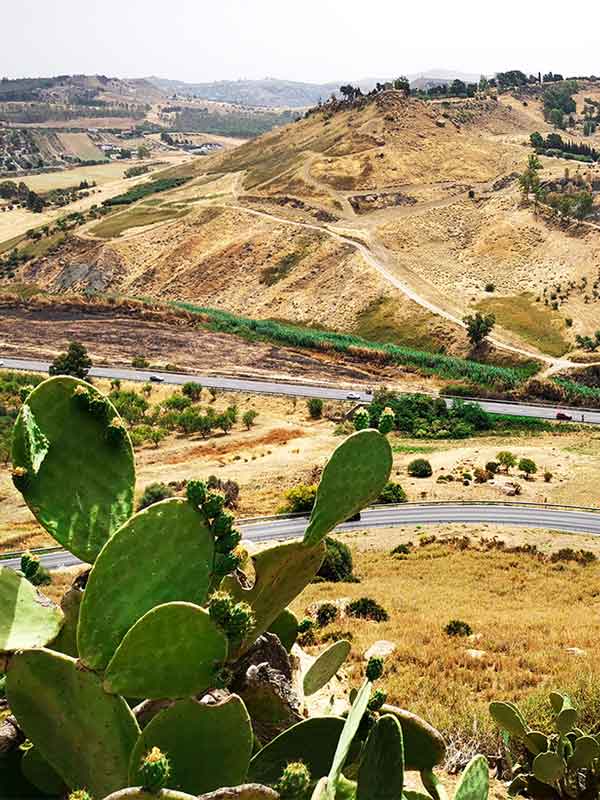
{"points": [[276, 93]]}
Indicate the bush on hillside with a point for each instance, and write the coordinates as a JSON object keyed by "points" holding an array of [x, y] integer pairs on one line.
{"points": [[300, 499], [420, 468], [456, 627], [154, 493], [337, 565], [367, 608], [392, 493], [315, 407], [326, 613]]}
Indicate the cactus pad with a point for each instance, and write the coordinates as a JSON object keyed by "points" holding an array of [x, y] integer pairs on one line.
{"points": [[282, 572], [83, 733], [175, 650], [475, 781], [215, 750], [424, 746], [285, 627], [354, 476], [325, 666], [40, 774], [349, 731], [381, 773], [548, 767], [312, 741], [27, 618], [78, 485], [509, 718], [586, 750], [163, 554]]}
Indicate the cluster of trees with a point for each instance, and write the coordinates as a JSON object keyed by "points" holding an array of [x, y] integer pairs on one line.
{"points": [[145, 190], [555, 145], [558, 100], [589, 343], [246, 124], [21, 194], [577, 205], [426, 417]]}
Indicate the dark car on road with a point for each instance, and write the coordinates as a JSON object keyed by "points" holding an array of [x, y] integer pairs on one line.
{"points": [[563, 416]]}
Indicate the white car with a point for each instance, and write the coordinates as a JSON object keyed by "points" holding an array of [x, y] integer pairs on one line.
{"points": [[353, 396]]}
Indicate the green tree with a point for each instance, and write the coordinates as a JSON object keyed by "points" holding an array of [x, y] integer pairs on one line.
{"points": [[506, 459], [300, 499], [556, 118], [479, 327], [225, 422], [315, 407], [249, 417], [75, 362], [537, 140], [154, 493], [528, 466], [393, 493], [192, 390]]}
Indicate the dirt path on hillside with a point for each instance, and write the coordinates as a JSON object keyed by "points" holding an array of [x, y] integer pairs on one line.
{"points": [[380, 259]]}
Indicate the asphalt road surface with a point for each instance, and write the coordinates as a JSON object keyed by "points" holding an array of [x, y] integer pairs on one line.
{"points": [[298, 389], [550, 518]]}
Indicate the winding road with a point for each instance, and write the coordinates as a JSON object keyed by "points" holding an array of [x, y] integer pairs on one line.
{"points": [[555, 518], [504, 407]]}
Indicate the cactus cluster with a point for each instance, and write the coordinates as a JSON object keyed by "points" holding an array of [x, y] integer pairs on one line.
{"points": [[564, 763], [134, 687]]}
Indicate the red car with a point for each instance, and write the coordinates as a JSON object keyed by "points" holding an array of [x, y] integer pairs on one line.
{"points": [[563, 417]]}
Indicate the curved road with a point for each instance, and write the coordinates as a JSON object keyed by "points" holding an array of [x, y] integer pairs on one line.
{"points": [[503, 407], [575, 520]]}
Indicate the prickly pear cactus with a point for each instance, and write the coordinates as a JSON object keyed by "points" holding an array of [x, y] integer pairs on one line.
{"points": [[141, 794], [40, 774], [475, 781], [282, 572], [209, 746], [27, 618], [76, 479], [325, 666], [163, 554], [83, 733], [175, 650], [285, 627], [424, 746], [312, 741], [381, 772], [508, 717], [354, 476], [549, 767], [349, 731]]}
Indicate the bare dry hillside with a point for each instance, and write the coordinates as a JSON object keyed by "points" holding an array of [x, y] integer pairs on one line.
{"points": [[392, 219]]}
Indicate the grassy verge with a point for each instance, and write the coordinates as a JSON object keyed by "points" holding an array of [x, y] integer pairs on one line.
{"points": [[296, 336], [579, 391], [135, 218], [524, 609], [533, 322]]}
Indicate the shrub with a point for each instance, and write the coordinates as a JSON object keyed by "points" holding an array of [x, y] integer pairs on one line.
{"points": [[336, 635], [229, 489], [506, 459], [300, 499], [420, 468], [482, 475], [249, 417], [177, 402], [548, 476], [456, 627], [528, 466], [402, 550], [192, 390], [326, 613], [367, 608], [139, 362], [337, 565], [154, 493], [490, 287], [315, 407], [306, 632], [392, 493], [492, 466]]}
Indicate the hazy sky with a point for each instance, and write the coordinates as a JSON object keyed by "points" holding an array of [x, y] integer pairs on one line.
{"points": [[313, 40]]}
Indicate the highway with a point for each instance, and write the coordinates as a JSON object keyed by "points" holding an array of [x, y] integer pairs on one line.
{"points": [[503, 407], [575, 520]]}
